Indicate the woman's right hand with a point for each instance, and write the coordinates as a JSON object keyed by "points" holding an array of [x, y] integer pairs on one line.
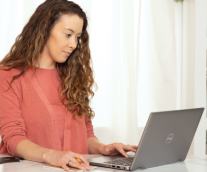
{"points": [[61, 159]]}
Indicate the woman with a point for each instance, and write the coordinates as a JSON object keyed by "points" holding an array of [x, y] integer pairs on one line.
{"points": [[46, 86]]}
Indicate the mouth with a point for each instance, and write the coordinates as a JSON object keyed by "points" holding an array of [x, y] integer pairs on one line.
{"points": [[67, 53]]}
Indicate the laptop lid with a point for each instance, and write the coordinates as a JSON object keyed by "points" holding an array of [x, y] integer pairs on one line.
{"points": [[167, 138]]}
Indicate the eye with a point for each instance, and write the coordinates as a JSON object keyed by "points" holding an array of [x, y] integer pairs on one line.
{"points": [[68, 35]]}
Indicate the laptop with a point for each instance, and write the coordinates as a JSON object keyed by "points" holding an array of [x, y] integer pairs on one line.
{"points": [[166, 139]]}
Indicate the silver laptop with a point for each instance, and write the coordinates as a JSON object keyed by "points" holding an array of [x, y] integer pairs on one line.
{"points": [[166, 139]]}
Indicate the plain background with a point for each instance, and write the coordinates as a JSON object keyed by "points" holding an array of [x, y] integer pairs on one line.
{"points": [[147, 56]]}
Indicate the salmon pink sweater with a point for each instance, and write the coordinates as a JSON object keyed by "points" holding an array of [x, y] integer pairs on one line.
{"points": [[32, 110]]}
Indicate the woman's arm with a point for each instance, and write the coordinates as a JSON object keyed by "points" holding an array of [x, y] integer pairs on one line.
{"points": [[94, 146], [31, 151]]}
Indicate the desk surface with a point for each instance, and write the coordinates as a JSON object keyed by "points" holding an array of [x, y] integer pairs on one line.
{"points": [[191, 164]]}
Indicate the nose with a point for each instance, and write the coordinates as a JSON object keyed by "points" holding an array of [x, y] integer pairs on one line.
{"points": [[73, 43]]}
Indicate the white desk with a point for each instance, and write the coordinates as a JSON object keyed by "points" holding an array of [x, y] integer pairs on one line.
{"points": [[191, 164]]}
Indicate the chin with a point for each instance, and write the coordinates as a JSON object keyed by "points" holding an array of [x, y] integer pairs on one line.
{"points": [[61, 60]]}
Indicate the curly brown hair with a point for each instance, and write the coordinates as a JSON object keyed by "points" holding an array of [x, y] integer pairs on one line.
{"points": [[76, 74]]}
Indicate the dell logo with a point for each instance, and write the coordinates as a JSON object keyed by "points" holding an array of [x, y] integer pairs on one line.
{"points": [[169, 138]]}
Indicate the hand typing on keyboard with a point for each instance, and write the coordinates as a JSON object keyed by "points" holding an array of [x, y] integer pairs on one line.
{"points": [[118, 148]]}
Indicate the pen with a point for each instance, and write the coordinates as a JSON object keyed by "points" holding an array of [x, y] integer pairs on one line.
{"points": [[77, 158]]}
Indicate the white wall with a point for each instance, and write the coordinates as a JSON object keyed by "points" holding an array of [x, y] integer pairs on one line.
{"points": [[200, 73]]}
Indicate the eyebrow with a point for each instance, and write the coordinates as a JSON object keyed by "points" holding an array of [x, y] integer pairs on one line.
{"points": [[71, 30]]}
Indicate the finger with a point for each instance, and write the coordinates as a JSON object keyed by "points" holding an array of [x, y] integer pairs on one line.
{"points": [[64, 166], [80, 162], [122, 152], [128, 148], [87, 167], [76, 164], [120, 149], [83, 160], [134, 146]]}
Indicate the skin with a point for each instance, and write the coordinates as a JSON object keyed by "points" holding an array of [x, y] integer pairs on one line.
{"points": [[64, 38]]}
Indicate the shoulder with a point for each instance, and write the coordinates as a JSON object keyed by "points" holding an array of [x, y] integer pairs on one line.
{"points": [[8, 74]]}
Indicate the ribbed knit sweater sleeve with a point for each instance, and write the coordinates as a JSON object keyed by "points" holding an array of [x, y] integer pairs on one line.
{"points": [[89, 128], [12, 127]]}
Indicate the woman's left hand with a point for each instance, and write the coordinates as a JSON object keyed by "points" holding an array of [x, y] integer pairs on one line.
{"points": [[118, 148]]}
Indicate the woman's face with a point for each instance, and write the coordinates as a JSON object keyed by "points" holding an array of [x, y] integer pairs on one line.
{"points": [[62, 41]]}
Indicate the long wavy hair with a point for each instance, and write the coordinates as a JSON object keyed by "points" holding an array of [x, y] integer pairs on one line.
{"points": [[76, 74]]}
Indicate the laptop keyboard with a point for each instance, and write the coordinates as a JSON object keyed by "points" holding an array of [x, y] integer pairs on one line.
{"points": [[125, 162]]}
